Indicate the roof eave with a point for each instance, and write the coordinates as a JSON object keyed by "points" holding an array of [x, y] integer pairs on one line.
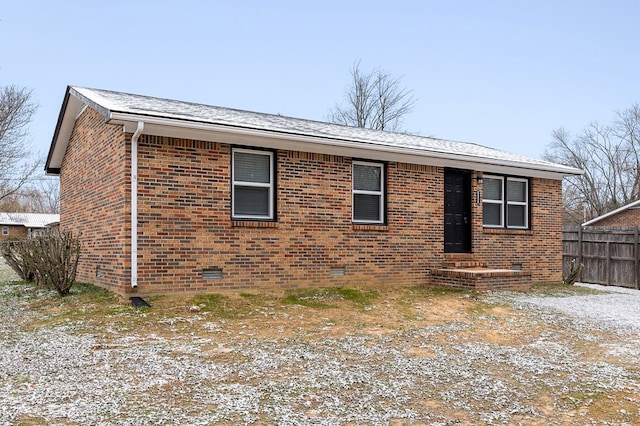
{"points": [[162, 126], [71, 107]]}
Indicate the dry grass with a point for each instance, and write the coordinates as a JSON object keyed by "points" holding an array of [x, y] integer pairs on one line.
{"points": [[395, 355]]}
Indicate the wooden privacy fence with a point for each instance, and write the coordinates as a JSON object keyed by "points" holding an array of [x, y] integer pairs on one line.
{"points": [[609, 255]]}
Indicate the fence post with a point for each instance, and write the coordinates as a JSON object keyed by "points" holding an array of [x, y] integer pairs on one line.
{"points": [[608, 262], [635, 259], [579, 245]]}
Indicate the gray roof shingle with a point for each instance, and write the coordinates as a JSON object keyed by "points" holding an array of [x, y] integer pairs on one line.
{"points": [[109, 102]]}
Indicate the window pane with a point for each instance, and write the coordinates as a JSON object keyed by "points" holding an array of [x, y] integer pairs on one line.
{"points": [[516, 190], [492, 189], [491, 214], [251, 201], [516, 216], [367, 178], [366, 207], [249, 167]]}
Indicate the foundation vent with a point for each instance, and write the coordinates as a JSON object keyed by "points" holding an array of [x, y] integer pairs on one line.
{"points": [[212, 273], [337, 271]]}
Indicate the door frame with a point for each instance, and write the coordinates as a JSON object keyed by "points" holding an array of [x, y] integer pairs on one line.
{"points": [[464, 210]]}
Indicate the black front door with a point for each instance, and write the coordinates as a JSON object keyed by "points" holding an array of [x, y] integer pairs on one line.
{"points": [[457, 211]]}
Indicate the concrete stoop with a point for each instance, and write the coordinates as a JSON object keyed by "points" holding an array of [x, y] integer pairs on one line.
{"points": [[462, 271]]}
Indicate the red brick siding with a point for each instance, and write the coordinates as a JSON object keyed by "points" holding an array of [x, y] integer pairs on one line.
{"points": [[16, 232], [539, 249], [626, 218], [185, 223], [94, 186], [185, 220]]}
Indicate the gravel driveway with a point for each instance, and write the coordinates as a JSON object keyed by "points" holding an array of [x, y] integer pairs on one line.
{"points": [[619, 308], [460, 358]]}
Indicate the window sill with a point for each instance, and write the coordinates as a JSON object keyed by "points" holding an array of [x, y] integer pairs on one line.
{"points": [[507, 231], [253, 224], [369, 227]]}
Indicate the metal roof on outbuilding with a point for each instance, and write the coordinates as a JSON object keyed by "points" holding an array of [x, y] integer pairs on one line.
{"points": [[28, 220], [632, 205]]}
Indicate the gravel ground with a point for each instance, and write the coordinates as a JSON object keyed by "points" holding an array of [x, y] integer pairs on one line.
{"points": [[517, 360], [620, 308]]}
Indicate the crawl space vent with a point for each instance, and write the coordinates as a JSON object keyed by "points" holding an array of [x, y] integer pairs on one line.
{"points": [[337, 271], [212, 274]]}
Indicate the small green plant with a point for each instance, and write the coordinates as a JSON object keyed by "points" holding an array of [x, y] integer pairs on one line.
{"points": [[222, 305], [362, 298], [309, 297], [328, 297]]}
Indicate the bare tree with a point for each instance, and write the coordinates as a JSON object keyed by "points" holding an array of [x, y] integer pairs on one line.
{"points": [[373, 100], [40, 195], [610, 157], [16, 163], [49, 195]]}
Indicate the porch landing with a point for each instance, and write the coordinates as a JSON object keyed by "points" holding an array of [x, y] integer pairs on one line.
{"points": [[462, 271]]}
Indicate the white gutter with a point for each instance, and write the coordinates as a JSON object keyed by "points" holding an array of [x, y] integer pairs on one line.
{"points": [[206, 131], [134, 204]]}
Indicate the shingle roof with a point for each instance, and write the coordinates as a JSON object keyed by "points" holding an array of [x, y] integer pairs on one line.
{"points": [[28, 220], [110, 102]]}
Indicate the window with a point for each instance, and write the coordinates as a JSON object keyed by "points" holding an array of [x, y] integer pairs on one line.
{"points": [[505, 202], [517, 203], [368, 192], [253, 184], [492, 201], [5, 230]]}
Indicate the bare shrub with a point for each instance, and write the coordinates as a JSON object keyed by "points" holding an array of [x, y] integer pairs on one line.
{"points": [[10, 254], [50, 259], [575, 272]]}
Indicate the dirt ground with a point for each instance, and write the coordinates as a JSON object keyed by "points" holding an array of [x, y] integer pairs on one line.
{"points": [[394, 355]]}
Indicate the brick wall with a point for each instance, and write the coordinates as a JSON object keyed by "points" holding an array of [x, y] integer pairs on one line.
{"points": [[539, 249], [16, 232], [626, 218], [185, 221], [94, 203]]}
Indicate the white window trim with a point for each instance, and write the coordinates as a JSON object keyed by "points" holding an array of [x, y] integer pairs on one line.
{"points": [[269, 185], [518, 203], [505, 203], [379, 193], [500, 202], [5, 230]]}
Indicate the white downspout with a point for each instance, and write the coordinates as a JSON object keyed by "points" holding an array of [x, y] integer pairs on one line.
{"points": [[134, 204]]}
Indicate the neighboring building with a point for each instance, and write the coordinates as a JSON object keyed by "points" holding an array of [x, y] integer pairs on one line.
{"points": [[623, 217], [175, 196], [16, 226]]}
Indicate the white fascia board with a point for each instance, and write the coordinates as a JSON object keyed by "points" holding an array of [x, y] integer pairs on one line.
{"points": [[73, 108], [276, 140]]}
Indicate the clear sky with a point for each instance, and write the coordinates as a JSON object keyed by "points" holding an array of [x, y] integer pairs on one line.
{"points": [[498, 73]]}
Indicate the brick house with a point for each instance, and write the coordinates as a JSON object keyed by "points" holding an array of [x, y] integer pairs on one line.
{"points": [[173, 196], [623, 217], [18, 226]]}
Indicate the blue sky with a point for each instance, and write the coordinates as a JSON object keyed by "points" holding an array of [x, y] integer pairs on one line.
{"points": [[498, 73]]}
